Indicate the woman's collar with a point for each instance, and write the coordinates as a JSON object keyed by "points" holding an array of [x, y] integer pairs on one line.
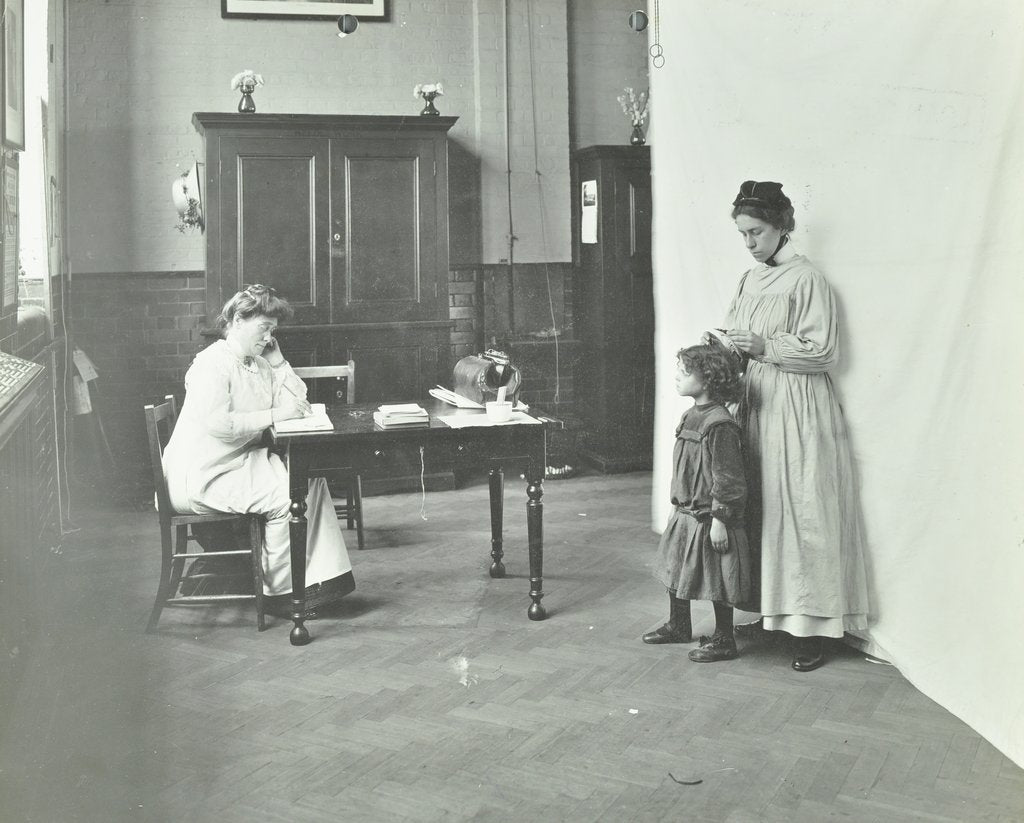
{"points": [[783, 255], [247, 361]]}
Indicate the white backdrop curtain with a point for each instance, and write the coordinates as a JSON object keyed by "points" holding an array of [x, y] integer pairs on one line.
{"points": [[898, 131]]}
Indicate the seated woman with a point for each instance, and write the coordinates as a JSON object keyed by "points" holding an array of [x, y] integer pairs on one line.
{"points": [[216, 460]]}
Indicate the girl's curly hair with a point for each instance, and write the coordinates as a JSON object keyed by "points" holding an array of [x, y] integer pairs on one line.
{"points": [[717, 369]]}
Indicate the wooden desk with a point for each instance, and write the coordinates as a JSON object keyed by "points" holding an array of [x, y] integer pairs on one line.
{"points": [[359, 444]]}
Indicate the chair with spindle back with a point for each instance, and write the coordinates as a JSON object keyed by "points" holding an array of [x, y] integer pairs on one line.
{"points": [[176, 531], [341, 481]]}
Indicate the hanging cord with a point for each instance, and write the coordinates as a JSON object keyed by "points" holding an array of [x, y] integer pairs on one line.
{"points": [[508, 174], [657, 52], [540, 200], [423, 486]]}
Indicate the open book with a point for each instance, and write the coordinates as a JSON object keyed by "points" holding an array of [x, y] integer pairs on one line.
{"points": [[316, 421]]}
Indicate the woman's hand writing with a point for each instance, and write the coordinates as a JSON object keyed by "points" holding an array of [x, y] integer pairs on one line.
{"points": [[719, 536], [292, 407], [748, 341]]}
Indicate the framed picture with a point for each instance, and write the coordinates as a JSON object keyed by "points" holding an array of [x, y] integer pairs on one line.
{"points": [[365, 10], [14, 74]]}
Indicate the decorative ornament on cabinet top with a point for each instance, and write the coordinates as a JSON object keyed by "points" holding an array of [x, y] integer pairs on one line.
{"points": [[246, 82], [428, 91], [635, 107]]}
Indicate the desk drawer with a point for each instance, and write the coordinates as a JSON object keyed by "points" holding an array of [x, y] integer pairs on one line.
{"points": [[434, 451]]}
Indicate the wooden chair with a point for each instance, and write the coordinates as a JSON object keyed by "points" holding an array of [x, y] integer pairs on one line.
{"points": [[176, 531], [342, 481]]}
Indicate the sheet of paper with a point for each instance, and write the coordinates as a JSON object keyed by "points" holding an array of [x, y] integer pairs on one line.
{"points": [[466, 421], [81, 402], [402, 408], [317, 421], [84, 366], [453, 399], [588, 213]]}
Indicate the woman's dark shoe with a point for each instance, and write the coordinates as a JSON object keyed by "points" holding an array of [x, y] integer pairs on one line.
{"points": [[666, 634], [808, 654], [715, 648]]}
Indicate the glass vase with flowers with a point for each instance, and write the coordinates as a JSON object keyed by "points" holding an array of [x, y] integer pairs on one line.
{"points": [[246, 82], [428, 91], [635, 106]]}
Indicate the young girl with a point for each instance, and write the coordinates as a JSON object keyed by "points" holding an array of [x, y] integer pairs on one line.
{"points": [[703, 554]]}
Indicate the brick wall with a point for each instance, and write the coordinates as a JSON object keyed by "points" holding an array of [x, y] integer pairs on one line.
{"points": [[141, 329]]}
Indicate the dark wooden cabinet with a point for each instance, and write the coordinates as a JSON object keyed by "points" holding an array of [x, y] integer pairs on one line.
{"points": [[614, 309], [347, 217]]}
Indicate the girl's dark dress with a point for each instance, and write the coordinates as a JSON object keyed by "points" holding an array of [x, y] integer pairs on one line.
{"points": [[708, 477]]}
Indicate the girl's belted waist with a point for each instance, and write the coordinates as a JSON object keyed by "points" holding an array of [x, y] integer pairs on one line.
{"points": [[696, 514]]}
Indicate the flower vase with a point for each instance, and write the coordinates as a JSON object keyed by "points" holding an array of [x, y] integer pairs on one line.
{"points": [[246, 104], [636, 137], [429, 108]]}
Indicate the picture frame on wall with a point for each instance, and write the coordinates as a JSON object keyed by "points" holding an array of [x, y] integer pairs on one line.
{"points": [[365, 10], [14, 74]]}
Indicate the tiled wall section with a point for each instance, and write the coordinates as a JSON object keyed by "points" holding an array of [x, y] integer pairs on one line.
{"points": [[142, 330]]}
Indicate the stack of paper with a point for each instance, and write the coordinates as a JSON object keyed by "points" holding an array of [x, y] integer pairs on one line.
{"points": [[401, 414]]}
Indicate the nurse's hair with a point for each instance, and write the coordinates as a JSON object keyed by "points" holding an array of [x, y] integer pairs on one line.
{"points": [[255, 301], [765, 201], [716, 368]]}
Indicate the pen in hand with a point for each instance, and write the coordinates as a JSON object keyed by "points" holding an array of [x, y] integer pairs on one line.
{"points": [[302, 405]]}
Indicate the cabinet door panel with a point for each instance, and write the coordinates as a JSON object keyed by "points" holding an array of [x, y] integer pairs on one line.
{"points": [[384, 261], [273, 235], [385, 232]]}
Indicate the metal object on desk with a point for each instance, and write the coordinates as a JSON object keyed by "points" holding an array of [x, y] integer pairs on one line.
{"points": [[479, 376]]}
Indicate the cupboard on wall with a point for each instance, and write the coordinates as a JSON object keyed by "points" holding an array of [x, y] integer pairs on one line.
{"points": [[347, 217], [614, 306]]}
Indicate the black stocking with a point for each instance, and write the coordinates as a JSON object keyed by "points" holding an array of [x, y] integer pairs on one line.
{"points": [[723, 619]]}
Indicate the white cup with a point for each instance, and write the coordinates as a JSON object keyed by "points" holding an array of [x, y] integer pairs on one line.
{"points": [[499, 411]]}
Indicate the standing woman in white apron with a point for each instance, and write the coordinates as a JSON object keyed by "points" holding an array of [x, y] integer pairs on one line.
{"points": [[803, 510], [216, 460]]}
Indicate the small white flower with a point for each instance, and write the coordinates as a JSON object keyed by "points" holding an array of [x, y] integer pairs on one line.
{"points": [[246, 79], [422, 89], [634, 106]]}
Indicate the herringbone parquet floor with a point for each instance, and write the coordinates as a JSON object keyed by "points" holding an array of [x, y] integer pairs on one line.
{"points": [[428, 695]]}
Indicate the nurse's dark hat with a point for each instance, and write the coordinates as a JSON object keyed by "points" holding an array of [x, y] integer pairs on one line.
{"points": [[766, 194]]}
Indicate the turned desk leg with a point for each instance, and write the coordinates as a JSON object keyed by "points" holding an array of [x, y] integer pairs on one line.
{"points": [[496, 483], [535, 533], [299, 635]]}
